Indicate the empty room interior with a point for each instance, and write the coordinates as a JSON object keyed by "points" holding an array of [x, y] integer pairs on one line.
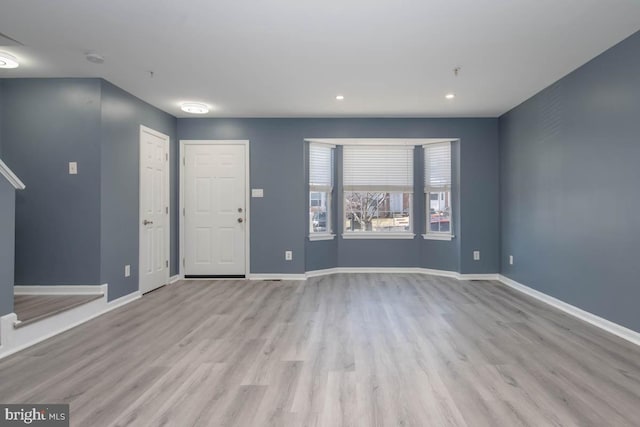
{"points": [[320, 213]]}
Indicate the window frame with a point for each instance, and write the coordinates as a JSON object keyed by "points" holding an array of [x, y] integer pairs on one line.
{"points": [[447, 188], [328, 190], [409, 234]]}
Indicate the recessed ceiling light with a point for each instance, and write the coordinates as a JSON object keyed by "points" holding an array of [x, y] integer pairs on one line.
{"points": [[340, 97], [450, 96], [195, 108], [8, 61]]}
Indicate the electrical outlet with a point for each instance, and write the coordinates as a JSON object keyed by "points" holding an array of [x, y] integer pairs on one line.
{"points": [[288, 255], [510, 259], [73, 168], [127, 270], [476, 255]]}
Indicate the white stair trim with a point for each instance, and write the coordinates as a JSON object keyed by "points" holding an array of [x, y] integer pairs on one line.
{"points": [[11, 177], [58, 290], [13, 340]]}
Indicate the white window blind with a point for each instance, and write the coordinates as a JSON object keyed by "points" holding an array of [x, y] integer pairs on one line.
{"points": [[437, 167], [378, 168], [320, 170]]}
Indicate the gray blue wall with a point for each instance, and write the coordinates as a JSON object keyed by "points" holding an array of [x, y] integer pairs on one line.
{"points": [[7, 239], [1, 112], [570, 201], [279, 220], [122, 115], [50, 123], [78, 229]]}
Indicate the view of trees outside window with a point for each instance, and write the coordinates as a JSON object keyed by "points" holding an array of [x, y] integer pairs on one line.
{"points": [[439, 212], [377, 211]]}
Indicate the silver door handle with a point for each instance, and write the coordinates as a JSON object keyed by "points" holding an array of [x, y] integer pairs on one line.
{"points": [[145, 222], [240, 220]]}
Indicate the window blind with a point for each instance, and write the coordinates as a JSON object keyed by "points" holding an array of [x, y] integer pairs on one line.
{"points": [[378, 168], [320, 170], [437, 167]]}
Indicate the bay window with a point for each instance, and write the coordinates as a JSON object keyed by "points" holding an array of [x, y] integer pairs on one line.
{"points": [[320, 188], [437, 188], [378, 191]]}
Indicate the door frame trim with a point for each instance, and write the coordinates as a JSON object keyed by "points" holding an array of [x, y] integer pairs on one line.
{"points": [[167, 182], [247, 197]]}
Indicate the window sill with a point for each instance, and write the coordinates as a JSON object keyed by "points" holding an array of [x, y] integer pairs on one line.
{"points": [[378, 235], [438, 236], [321, 236]]}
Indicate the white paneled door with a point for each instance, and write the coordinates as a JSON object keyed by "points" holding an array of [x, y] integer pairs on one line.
{"points": [[154, 209], [214, 209]]}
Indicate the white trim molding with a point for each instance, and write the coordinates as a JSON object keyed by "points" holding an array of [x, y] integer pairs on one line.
{"points": [[379, 141], [440, 236], [60, 290], [607, 325], [174, 279], [400, 270], [14, 339], [277, 276], [377, 235], [465, 276], [313, 237], [11, 177]]}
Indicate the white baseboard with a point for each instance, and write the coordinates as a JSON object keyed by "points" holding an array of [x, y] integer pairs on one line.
{"points": [[58, 290], [13, 340], [401, 270], [325, 272], [277, 276], [478, 276], [607, 325], [174, 279]]}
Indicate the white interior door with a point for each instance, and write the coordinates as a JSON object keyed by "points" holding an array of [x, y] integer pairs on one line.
{"points": [[214, 209], [154, 209]]}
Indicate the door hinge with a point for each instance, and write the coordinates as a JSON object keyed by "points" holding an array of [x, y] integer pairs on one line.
{"points": [[184, 262], [166, 264], [183, 214], [166, 156], [184, 163], [166, 209]]}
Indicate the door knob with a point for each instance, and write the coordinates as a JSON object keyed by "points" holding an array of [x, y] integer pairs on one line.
{"points": [[146, 222], [240, 220]]}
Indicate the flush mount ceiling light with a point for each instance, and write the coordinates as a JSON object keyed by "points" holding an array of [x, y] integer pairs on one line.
{"points": [[450, 95], [339, 97], [95, 58], [8, 61], [194, 108]]}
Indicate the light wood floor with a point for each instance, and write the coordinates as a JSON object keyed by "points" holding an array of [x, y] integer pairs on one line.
{"points": [[356, 350], [31, 308]]}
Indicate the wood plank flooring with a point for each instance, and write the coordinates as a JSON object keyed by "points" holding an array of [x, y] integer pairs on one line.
{"points": [[340, 350], [31, 308]]}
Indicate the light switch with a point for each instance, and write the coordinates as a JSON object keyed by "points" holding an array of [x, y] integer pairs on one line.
{"points": [[73, 168], [257, 192]]}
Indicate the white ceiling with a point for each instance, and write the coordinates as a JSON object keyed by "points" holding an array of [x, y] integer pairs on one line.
{"points": [[290, 58]]}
